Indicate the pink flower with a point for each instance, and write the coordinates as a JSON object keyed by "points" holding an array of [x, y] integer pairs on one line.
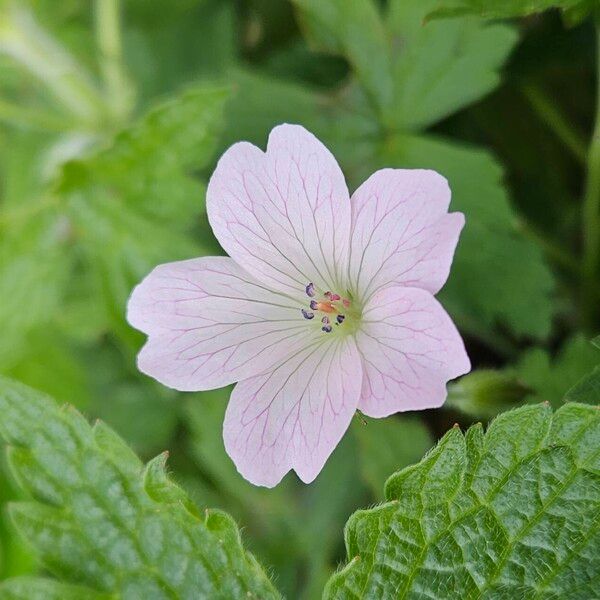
{"points": [[326, 305]]}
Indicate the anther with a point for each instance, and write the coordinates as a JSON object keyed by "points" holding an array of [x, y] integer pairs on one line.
{"points": [[326, 328], [325, 320], [340, 318], [307, 314], [314, 305], [310, 290]]}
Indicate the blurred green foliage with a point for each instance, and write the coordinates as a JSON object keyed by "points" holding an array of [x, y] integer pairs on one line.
{"points": [[112, 115]]}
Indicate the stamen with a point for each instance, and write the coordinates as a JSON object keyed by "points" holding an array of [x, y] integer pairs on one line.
{"points": [[346, 302], [335, 297], [340, 318], [314, 305], [310, 290], [326, 328], [325, 320], [328, 295], [307, 314]]}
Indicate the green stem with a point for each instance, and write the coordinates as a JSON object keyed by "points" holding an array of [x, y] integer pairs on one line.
{"points": [[591, 210], [28, 44], [108, 36], [548, 112]]}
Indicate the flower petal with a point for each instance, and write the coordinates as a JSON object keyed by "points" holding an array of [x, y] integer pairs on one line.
{"points": [[402, 232], [295, 416], [283, 215], [410, 349], [211, 324]]}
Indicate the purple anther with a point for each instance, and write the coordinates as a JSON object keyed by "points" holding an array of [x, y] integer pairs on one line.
{"points": [[307, 314], [310, 290], [313, 304], [340, 318], [326, 328], [325, 320]]}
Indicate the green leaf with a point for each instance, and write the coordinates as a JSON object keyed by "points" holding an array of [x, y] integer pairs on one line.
{"points": [[99, 519], [501, 9], [355, 29], [550, 379], [512, 513], [441, 67], [386, 445], [38, 588]]}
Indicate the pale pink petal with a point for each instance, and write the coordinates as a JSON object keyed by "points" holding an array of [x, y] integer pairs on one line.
{"points": [[293, 417], [283, 215], [210, 324], [410, 349], [402, 232]]}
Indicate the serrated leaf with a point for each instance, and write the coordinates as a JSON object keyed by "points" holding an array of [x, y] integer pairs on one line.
{"points": [[509, 514], [96, 520], [499, 9], [39, 588]]}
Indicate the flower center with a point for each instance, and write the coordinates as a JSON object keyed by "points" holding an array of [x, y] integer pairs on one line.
{"points": [[331, 308]]}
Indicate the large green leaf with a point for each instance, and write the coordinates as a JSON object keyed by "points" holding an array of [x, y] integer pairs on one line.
{"points": [[100, 518], [441, 67], [512, 513]]}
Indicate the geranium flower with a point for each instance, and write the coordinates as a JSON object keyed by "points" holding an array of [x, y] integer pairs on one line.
{"points": [[326, 305]]}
